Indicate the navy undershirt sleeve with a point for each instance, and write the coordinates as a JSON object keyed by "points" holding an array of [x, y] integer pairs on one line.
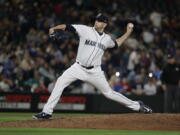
{"points": [[70, 28], [116, 44]]}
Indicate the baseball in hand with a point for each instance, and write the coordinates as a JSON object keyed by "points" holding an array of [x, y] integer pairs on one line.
{"points": [[130, 25]]}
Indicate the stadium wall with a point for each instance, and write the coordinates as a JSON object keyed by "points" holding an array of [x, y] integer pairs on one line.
{"points": [[81, 103]]}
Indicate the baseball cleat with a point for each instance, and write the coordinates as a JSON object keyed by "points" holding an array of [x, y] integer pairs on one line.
{"points": [[144, 108], [42, 116]]}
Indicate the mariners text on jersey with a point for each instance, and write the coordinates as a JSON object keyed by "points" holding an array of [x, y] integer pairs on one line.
{"points": [[93, 43]]}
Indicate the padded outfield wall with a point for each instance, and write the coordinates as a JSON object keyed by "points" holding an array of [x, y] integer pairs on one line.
{"points": [[73, 103]]}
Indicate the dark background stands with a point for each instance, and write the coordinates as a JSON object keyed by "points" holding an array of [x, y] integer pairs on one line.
{"points": [[29, 62]]}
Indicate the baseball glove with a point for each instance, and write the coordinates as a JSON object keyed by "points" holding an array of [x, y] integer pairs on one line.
{"points": [[58, 35]]}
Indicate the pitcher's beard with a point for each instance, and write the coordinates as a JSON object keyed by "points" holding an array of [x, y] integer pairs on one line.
{"points": [[99, 29]]}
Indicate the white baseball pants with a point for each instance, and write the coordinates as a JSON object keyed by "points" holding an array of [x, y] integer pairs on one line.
{"points": [[94, 76]]}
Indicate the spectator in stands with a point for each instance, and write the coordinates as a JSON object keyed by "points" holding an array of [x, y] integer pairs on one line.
{"points": [[5, 84], [156, 18], [27, 63], [159, 58], [10, 66], [32, 82], [144, 60], [25, 48], [41, 87], [126, 87], [150, 88], [132, 42], [134, 58], [138, 86], [115, 83], [147, 36]]}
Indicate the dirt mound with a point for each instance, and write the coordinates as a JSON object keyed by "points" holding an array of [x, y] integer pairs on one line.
{"points": [[120, 121]]}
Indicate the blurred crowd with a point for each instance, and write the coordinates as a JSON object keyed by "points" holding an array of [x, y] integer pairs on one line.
{"points": [[30, 62]]}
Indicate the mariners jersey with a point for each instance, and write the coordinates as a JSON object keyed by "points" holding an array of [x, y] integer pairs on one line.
{"points": [[91, 45]]}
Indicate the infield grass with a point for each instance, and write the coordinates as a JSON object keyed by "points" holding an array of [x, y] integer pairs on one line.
{"points": [[50, 131]]}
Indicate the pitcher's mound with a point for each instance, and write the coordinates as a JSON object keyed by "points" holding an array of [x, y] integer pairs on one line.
{"points": [[113, 121]]}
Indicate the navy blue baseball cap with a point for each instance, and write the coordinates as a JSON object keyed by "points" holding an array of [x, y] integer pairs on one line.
{"points": [[102, 18]]}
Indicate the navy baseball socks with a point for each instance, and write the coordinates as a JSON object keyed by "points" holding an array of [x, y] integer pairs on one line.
{"points": [[42, 116]]}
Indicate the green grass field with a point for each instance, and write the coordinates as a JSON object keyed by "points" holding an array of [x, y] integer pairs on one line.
{"points": [[50, 131]]}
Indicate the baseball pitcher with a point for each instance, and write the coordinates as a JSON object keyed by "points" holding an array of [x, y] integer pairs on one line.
{"points": [[93, 41]]}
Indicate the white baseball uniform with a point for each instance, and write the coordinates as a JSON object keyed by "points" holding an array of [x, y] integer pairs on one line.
{"points": [[90, 51]]}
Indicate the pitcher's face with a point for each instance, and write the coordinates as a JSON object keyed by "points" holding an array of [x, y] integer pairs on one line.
{"points": [[100, 25]]}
